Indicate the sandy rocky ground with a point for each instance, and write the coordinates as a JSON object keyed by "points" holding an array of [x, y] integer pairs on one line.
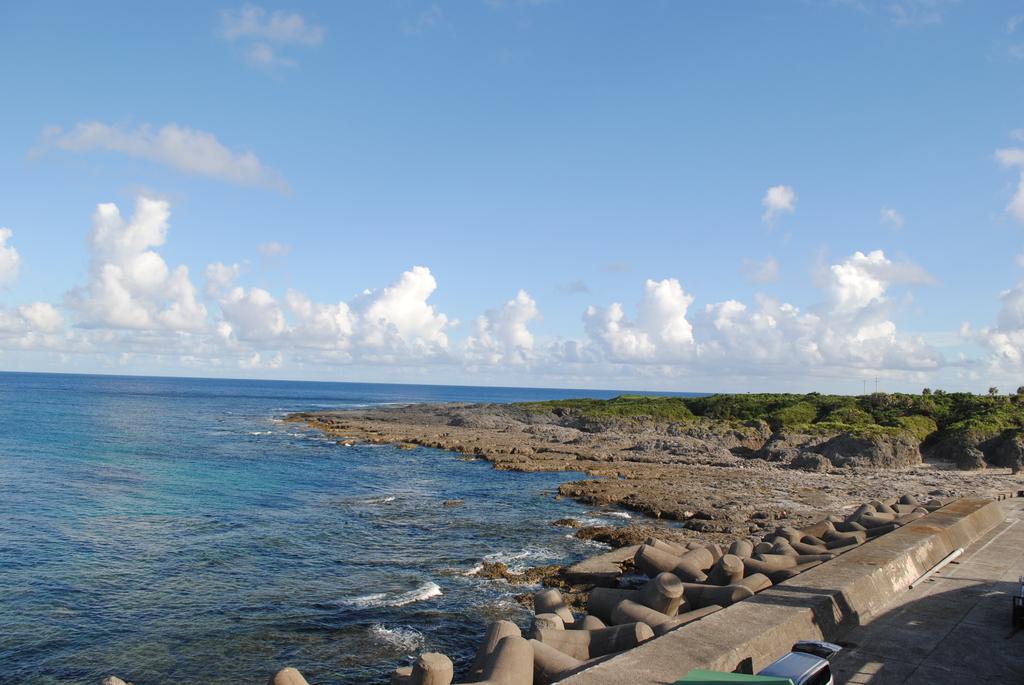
{"points": [[704, 477]]}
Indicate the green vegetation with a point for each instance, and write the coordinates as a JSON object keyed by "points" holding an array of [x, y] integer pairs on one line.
{"points": [[622, 407], [930, 417]]}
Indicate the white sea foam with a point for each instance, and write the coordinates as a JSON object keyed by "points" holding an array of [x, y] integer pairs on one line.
{"points": [[380, 500], [261, 432], [384, 599], [518, 561], [620, 514], [406, 639]]}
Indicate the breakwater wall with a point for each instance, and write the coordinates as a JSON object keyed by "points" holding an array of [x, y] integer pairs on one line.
{"points": [[820, 603]]}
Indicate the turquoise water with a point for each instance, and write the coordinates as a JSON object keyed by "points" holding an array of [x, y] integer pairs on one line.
{"points": [[175, 530]]}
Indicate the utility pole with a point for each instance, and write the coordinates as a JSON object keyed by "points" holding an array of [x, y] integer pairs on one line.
{"points": [[876, 384], [865, 386]]}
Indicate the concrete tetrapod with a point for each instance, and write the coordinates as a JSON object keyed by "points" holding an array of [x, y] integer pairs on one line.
{"points": [[787, 573], [551, 602], [663, 593], [603, 600], [741, 548], [819, 529], [586, 644], [549, 621], [113, 680], [670, 547], [549, 664], [589, 623], [430, 668], [511, 663], [699, 595], [727, 571], [652, 560], [630, 612], [287, 676], [496, 632]]}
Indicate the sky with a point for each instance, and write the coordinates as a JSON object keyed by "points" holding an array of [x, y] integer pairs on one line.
{"points": [[798, 195]]}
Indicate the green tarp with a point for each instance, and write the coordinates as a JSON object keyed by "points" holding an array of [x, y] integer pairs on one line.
{"points": [[699, 676]]}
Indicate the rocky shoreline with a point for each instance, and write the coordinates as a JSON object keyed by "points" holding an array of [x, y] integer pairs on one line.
{"points": [[716, 478]]}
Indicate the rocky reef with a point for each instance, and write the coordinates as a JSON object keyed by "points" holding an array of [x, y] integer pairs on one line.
{"points": [[722, 464]]}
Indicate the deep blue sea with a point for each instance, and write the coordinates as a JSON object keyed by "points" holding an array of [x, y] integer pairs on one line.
{"points": [[176, 530]]}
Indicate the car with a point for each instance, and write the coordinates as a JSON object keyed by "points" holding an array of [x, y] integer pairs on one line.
{"points": [[806, 664]]}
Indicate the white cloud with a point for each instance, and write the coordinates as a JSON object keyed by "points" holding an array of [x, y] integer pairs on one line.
{"points": [[398, 318], [395, 322], [890, 216], [274, 249], [777, 200], [10, 260], [850, 330], [253, 315], [219, 276], [41, 316], [130, 284], [1014, 23], [661, 331], [918, 12], [258, 361], [862, 279], [323, 326], [285, 28], [178, 147], [503, 335], [766, 271], [265, 33], [1005, 341]]}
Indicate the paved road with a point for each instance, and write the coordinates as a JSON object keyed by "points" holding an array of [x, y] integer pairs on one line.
{"points": [[952, 629]]}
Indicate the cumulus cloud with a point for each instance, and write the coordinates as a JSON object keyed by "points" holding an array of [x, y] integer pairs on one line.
{"points": [[502, 335], [131, 286], [661, 331], [778, 200], [10, 260], [34, 326], [851, 329], [394, 322], [766, 271], [398, 318], [219, 276], [862, 279], [890, 216], [185, 149], [1005, 340], [265, 33]]}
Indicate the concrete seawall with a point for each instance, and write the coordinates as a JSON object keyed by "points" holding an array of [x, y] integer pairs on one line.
{"points": [[821, 603]]}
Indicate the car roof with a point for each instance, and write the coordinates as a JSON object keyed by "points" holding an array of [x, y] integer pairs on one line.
{"points": [[794, 665]]}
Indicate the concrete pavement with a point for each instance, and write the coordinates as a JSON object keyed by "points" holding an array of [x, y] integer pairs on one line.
{"points": [[954, 628]]}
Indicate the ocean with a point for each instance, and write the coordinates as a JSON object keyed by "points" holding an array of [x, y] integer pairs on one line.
{"points": [[175, 530]]}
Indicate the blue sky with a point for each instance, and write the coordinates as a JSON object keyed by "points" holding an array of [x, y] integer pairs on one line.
{"points": [[573, 151]]}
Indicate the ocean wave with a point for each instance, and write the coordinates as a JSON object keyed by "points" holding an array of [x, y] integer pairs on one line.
{"points": [[406, 639], [620, 514], [384, 599], [261, 432], [380, 500], [520, 560]]}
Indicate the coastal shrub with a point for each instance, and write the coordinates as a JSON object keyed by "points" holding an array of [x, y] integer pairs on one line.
{"points": [[794, 415], [850, 414], [920, 426], [673, 409]]}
